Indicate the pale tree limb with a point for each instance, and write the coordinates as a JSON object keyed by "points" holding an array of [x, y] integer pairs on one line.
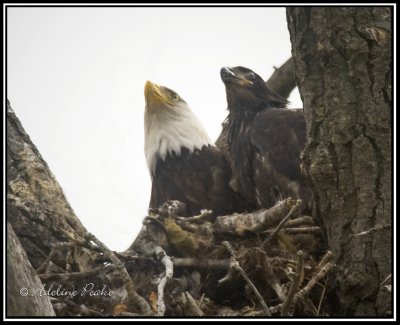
{"points": [[282, 223], [325, 259], [204, 264], [300, 221], [199, 218], [236, 266], [257, 221], [295, 285], [283, 80], [169, 271]]}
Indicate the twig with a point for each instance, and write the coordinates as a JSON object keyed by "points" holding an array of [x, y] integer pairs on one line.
{"points": [[372, 230], [386, 279], [256, 221], [301, 230], [236, 266], [204, 214], [76, 276], [325, 259], [295, 285], [204, 264], [314, 280], [282, 223], [191, 306], [320, 300], [169, 271], [54, 249], [228, 276], [135, 300], [300, 221]]}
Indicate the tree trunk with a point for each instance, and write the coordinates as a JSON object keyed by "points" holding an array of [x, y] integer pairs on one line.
{"points": [[343, 59], [23, 282], [36, 206]]}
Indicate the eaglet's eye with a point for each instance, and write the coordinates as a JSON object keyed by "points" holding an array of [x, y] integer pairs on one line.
{"points": [[252, 75], [175, 97]]}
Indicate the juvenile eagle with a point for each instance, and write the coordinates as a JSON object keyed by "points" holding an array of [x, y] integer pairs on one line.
{"points": [[183, 163], [262, 140]]}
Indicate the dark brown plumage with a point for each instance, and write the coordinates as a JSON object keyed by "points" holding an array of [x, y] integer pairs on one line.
{"points": [[262, 140], [183, 164]]}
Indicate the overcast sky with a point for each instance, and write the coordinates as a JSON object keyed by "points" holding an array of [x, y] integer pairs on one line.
{"points": [[76, 79]]}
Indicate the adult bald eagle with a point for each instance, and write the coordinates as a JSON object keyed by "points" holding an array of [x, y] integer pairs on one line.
{"points": [[262, 140], [183, 163]]}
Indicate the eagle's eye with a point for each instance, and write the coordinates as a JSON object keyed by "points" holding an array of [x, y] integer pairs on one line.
{"points": [[175, 97], [252, 76]]}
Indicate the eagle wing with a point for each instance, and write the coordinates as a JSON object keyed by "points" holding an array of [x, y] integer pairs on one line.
{"points": [[199, 178], [278, 137]]}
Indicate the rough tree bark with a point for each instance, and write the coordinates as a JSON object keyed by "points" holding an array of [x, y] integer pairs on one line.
{"points": [[343, 59], [21, 277], [36, 206]]}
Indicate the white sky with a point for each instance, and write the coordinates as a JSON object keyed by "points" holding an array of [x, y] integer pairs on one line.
{"points": [[76, 79]]}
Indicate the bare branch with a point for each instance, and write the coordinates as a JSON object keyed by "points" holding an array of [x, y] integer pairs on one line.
{"points": [[283, 79], [203, 264], [169, 271], [255, 222], [283, 221], [295, 285], [313, 281], [371, 231], [305, 220]]}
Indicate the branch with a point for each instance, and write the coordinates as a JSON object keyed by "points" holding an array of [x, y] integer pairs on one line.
{"points": [[236, 266], [295, 285], [190, 305], [199, 218], [313, 281], [300, 221], [370, 231], [169, 271], [282, 223], [45, 265], [283, 80], [135, 299], [201, 264], [255, 222]]}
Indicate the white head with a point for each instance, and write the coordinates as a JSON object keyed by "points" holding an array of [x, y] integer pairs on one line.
{"points": [[169, 125]]}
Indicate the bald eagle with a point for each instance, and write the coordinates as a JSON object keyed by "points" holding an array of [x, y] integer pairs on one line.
{"points": [[183, 163], [262, 140]]}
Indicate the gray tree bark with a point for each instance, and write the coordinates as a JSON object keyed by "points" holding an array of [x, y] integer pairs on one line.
{"points": [[23, 282], [343, 59], [36, 206]]}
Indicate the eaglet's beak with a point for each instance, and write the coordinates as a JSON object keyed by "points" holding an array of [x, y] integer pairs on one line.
{"points": [[227, 75], [154, 95]]}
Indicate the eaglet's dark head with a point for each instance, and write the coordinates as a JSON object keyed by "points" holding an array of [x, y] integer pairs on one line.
{"points": [[245, 88]]}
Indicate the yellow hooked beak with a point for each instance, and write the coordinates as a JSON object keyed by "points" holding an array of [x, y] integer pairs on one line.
{"points": [[154, 94]]}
